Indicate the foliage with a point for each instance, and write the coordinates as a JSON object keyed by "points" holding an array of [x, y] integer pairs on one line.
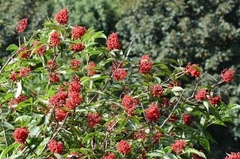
{"points": [[100, 14], [203, 31], [11, 12], [71, 108]]}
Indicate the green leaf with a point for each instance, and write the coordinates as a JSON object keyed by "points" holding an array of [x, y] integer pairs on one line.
{"points": [[177, 89], [23, 119], [194, 151], [75, 130], [2, 147], [42, 145], [12, 47], [10, 147], [205, 143], [169, 156], [34, 131], [95, 91], [158, 79], [154, 154], [88, 137], [215, 112], [7, 125], [206, 105]]}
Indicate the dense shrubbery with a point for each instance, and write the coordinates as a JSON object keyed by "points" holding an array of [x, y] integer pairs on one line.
{"points": [[63, 94], [203, 32]]}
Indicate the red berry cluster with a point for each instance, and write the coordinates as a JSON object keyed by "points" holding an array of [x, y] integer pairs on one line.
{"points": [[187, 120], [78, 32], [145, 64], [62, 16], [227, 75], [178, 146], [156, 90], [77, 47], [152, 113], [233, 155], [22, 25], [23, 52], [93, 119], [113, 42], [55, 147], [91, 68], [109, 156], [55, 38], [123, 147], [20, 135], [129, 104], [193, 70], [118, 72]]}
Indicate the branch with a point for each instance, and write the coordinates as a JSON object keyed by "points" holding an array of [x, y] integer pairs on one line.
{"points": [[175, 106], [9, 59]]}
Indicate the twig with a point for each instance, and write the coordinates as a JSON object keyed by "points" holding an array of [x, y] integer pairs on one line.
{"points": [[175, 106], [195, 89], [9, 59], [60, 127], [29, 146]]}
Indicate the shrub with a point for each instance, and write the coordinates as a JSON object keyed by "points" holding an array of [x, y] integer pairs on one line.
{"points": [[104, 104]]}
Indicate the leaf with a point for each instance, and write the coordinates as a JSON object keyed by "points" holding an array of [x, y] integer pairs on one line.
{"points": [[7, 125], [205, 143], [194, 151], [158, 79], [10, 147], [177, 89], [19, 89], [169, 156], [12, 47], [2, 147], [84, 79], [75, 130], [24, 119], [206, 105], [154, 154], [42, 145], [95, 91], [88, 137], [34, 131]]}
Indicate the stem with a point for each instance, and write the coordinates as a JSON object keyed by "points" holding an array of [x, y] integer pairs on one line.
{"points": [[2, 69], [195, 89], [29, 146], [60, 127], [175, 106], [5, 138]]}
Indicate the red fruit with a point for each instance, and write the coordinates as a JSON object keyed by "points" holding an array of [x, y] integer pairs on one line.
{"points": [[227, 75], [62, 16], [123, 147], [145, 64], [157, 90], [20, 135], [201, 94], [55, 39], [178, 146], [93, 119], [78, 32], [113, 42], [152, 113], [192, 69], [187, 120], [22, 25], [55, 147]]}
